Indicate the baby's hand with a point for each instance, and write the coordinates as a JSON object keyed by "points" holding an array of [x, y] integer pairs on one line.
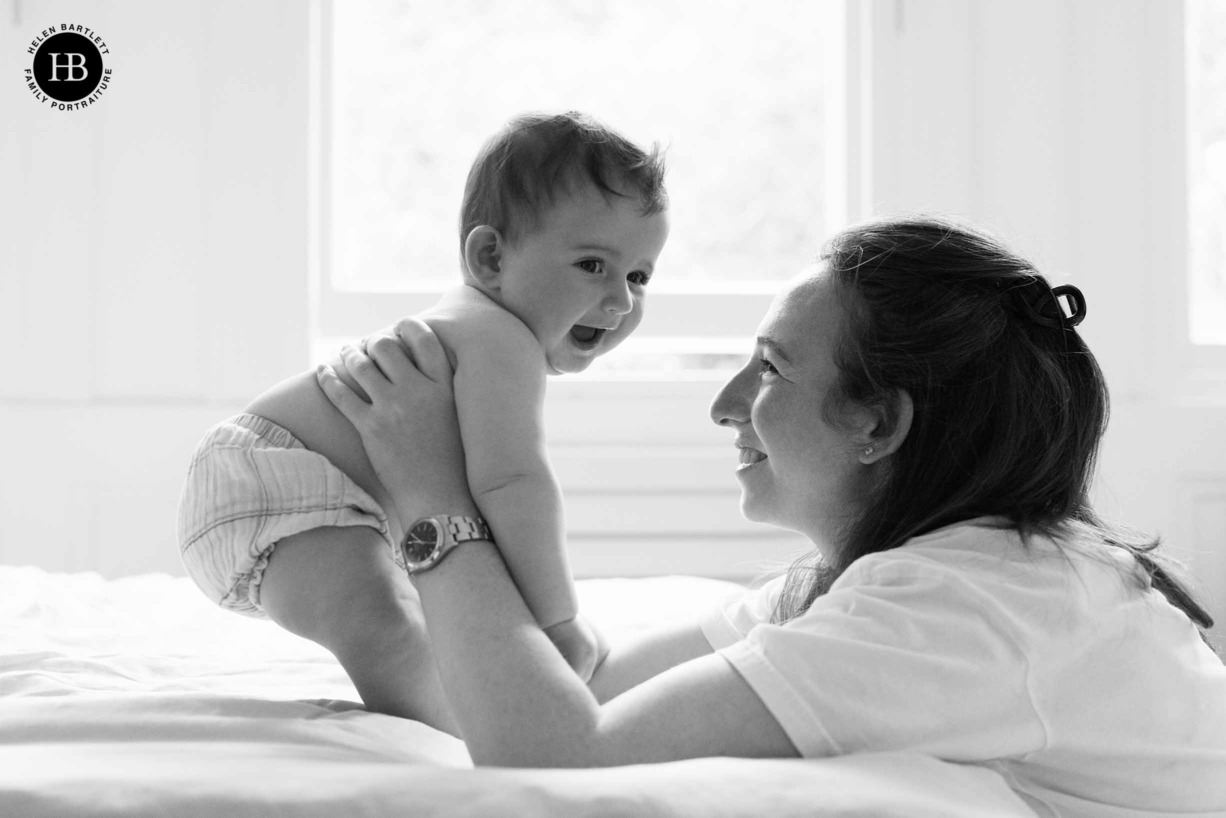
{"points": [[579, 644]]}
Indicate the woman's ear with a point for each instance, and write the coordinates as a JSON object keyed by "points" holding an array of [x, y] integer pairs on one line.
{"points": [[889, 428], [483, 256]]}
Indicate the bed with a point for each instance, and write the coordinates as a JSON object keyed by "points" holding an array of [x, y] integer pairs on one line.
{"points": [[136, 697]]}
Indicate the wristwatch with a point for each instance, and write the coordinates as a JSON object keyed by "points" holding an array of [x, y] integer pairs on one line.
{"points": [[431, 538]]}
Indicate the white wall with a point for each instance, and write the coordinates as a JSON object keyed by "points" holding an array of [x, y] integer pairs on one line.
{"points": [[155, 273], [154, 269]]}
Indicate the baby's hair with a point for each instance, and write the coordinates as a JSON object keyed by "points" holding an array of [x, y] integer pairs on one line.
{"points": [[521, 171], [1009, 403]]}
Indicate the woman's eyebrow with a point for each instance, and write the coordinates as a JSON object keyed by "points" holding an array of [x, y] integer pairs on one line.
{"points": [[774, 348]]}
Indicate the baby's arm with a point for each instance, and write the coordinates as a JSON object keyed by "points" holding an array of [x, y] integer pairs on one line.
{"points": [[500, 392]]}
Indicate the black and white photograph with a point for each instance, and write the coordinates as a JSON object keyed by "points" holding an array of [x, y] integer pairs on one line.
{"points": [[684, 408]]}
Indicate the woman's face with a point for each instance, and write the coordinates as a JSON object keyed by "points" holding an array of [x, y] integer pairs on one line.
{"points": [[796, 469]]}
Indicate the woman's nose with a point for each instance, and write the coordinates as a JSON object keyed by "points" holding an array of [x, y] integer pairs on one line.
{"points": [[618, 299], [732, 402]]}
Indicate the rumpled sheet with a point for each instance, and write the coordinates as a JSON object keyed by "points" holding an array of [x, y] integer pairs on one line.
{"points": [[136, 697]]}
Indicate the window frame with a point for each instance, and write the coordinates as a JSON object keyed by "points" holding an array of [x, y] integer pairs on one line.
{"points": [[646, 474], [866, 157], [1201, 375], [677, 311]]}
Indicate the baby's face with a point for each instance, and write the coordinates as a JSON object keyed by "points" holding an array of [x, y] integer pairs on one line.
{"points": [[580, 280]]}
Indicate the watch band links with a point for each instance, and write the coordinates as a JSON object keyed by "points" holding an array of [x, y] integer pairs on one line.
{"points": [[463, 529]]}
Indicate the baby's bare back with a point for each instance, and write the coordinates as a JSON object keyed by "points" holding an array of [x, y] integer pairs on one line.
{"points": [[299, 405]]}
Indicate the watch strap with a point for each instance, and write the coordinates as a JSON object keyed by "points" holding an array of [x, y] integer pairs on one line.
{"points": [[453, 530], [463, 529]]}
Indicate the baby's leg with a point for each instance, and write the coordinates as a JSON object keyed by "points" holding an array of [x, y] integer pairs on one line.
{"points": [[339, 587]]}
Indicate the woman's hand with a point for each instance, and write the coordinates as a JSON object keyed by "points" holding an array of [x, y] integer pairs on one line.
{"points": [[409, 429]]}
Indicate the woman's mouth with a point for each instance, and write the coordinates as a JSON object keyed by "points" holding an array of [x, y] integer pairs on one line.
{"points": [[748, 458], [586, 338]]}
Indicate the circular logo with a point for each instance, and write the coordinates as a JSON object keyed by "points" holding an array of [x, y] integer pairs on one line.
{"points": [[67, 67], [67, 70]]}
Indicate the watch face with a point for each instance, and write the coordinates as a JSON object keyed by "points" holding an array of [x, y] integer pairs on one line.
{"points": [[421, 541]]}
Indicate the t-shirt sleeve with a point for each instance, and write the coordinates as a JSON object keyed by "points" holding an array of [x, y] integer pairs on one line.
{"points": [[900, 654], [733, 619]]}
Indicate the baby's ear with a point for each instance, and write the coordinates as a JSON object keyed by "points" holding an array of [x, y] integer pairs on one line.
{"points": [[483, 256]]}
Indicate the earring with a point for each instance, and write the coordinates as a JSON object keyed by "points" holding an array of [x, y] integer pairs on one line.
{"points": [[868, 450]]}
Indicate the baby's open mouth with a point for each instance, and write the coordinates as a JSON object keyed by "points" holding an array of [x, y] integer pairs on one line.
{"points": [[586, 337]]}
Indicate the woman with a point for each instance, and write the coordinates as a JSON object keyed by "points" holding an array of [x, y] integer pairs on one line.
{"points": [[920, 406]]}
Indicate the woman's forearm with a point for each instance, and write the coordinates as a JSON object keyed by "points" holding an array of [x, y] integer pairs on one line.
{"points": [[646, 655], [517, 701]]}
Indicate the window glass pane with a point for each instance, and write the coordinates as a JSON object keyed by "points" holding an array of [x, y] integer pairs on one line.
{"points": [[1206, 35], [732, 89]]}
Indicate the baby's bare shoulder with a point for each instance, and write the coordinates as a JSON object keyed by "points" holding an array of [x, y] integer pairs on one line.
{"points": [[467, 319]]}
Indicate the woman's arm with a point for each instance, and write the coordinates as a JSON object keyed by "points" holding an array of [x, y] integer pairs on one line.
{"points": [[647, 655], [517, 702]]}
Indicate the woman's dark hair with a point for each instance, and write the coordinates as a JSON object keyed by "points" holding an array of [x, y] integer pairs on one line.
{"points": [[522, 169], [1009, 403]]}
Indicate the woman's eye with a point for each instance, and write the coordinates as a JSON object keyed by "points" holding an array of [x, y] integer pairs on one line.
{"points": [[639, 278], [591, 265]]}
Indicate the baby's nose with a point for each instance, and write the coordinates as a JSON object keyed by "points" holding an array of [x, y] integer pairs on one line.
{"points": [[618, 300]]}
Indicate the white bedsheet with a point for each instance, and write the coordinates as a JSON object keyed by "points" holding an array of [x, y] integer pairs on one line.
{"points": [[136, 697]]}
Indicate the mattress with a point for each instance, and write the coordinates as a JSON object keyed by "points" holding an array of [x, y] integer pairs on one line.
{"points": [[137, 697]]}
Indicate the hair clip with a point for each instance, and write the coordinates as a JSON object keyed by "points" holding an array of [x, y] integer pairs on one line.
{"points": [[1038, 301], [1077, 303]]}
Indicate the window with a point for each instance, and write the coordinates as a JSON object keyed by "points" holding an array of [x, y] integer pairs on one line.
{"points": [[1206, 64], [743, 97]]}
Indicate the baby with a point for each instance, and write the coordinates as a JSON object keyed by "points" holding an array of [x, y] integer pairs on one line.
{"points": [[282, 515]]}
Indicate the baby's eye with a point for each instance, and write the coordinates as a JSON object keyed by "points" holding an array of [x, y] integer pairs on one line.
{"points": [[590, 265], [639, 278]]}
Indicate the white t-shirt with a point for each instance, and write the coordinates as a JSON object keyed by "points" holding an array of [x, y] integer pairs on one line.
{"points": [[1089, 695]]}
